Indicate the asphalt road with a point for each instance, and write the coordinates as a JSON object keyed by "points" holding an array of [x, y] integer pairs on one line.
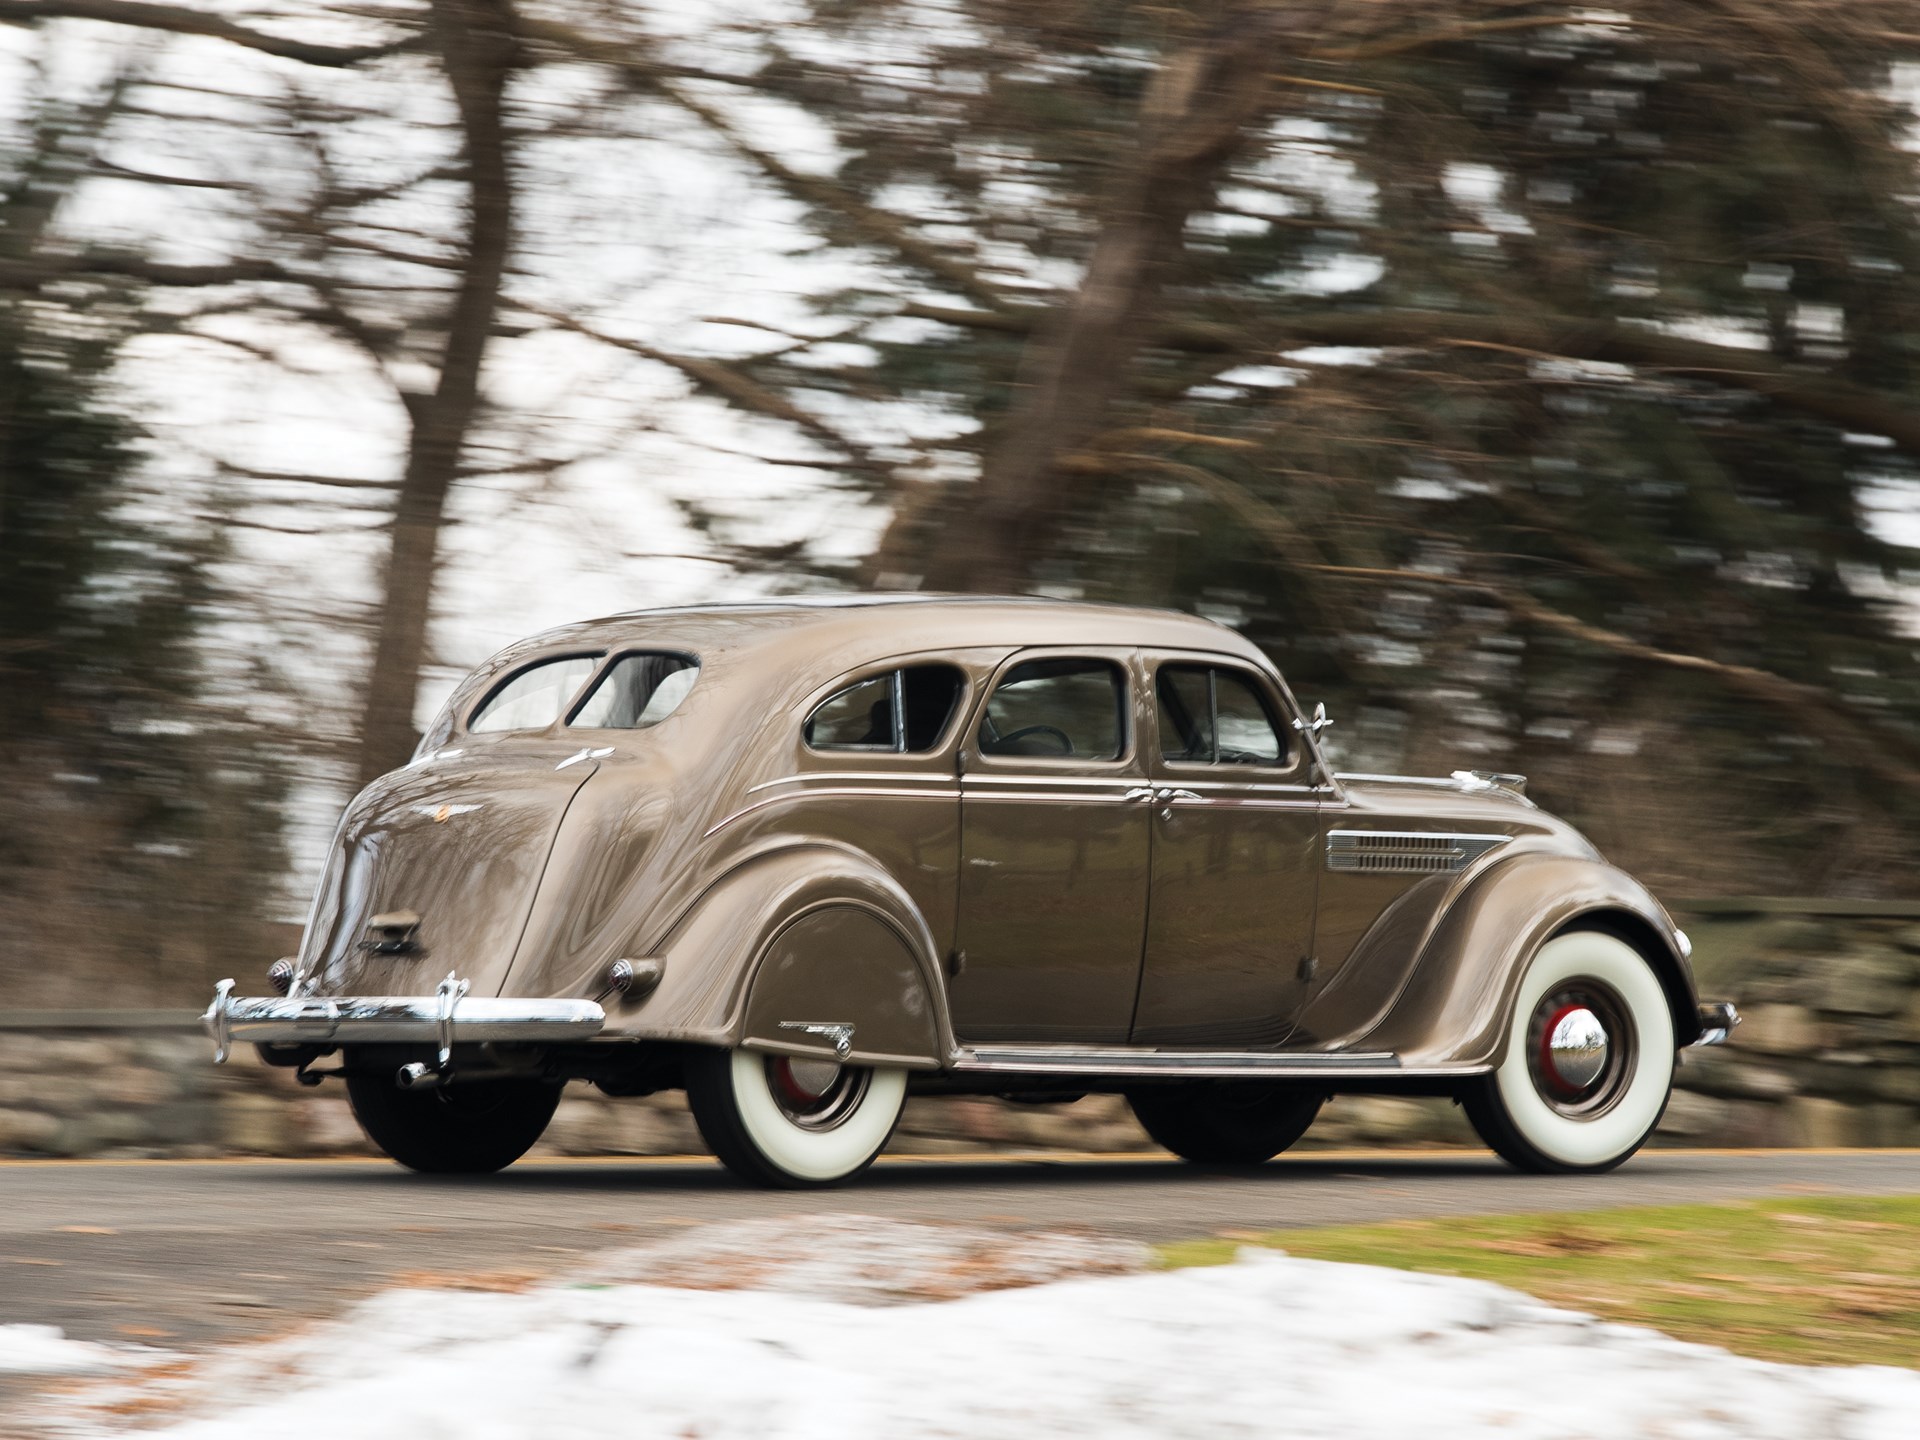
{"points": [[183, 1254]]}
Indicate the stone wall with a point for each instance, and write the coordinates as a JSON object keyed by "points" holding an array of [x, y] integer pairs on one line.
{"points": [[1830, 1055]]}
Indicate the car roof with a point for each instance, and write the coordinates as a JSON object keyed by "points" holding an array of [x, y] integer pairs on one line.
{"points": [[861, 627]]}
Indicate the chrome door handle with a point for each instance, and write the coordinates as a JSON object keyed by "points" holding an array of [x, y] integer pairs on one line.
{"points": [[1176, 794], [1139, 792]]}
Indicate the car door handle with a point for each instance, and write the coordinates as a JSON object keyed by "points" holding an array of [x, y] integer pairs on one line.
{"points": [[1139, 792], [1176, 794]]}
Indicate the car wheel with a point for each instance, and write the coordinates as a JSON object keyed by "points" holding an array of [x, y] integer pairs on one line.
{"points": [[1225, 1122], [466, 1128], [783, 1121], [1587, 1066]]}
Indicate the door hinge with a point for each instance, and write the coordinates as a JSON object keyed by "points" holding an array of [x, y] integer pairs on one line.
{"points": [[1308, 964]]}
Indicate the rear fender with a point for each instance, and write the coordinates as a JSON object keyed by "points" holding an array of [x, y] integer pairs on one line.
{"points": [[1458, 1003], [804, 936]]}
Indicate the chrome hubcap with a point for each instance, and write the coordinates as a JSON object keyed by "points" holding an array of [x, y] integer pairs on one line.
{"points": [[1576, 1048], [815, 1094], [1580, 1049]]}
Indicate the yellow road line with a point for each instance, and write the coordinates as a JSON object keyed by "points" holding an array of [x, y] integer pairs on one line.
{"points": [[1006, 1158]]}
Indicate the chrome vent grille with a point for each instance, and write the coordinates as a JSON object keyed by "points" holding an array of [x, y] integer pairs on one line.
{"points": [[1398, 852]]}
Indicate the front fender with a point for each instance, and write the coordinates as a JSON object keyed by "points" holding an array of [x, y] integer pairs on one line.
{"points": [[807, 934], [1456, 1005]]}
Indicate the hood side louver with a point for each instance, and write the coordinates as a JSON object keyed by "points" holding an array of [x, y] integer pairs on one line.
{"points": [[1394, 852]]}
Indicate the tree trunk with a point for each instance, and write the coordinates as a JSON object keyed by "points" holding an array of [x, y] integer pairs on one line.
{"points": [[1194, 118], [475, 42]]}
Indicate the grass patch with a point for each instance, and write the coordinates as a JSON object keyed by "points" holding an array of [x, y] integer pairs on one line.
{"points": [[1814, 1281]]}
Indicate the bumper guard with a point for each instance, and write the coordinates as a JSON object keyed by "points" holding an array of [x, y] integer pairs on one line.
{"points": [[1717, 1019], [447, 1015]]}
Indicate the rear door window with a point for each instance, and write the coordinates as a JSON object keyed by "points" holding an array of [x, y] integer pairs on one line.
{"points": [[1069, 708], [536, 697]]}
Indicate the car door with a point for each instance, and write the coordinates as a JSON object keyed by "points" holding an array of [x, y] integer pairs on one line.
{"points": [[1235, 859], [1054, 852]]}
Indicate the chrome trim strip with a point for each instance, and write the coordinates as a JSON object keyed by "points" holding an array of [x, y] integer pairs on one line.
{"points": [[1466, 782], [842, 776], [1262, 786], [1192, 1064], [975, 778], [1255, 802], [830, 790], [1045, 797], [440, 1020], [1368, 778]]}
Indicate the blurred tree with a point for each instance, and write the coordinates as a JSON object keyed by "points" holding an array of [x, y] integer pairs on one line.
{"points": [[1527, 376], [419, 302], [139, 821]]}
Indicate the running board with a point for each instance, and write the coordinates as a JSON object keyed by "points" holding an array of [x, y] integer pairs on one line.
{"points": [[1193, 1064]]}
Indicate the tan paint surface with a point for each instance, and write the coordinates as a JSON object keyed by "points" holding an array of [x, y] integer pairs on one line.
{"points": [[1092, 918]]}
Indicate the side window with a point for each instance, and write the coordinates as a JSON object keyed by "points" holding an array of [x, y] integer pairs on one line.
{"points": [[1212, 716], [1067, 707], [536, 697], [638, 691], [904, 710]]}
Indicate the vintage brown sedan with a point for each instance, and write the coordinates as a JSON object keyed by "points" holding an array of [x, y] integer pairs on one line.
{"points": [[801, 859]]}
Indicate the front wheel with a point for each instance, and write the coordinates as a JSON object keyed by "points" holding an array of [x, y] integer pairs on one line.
{"points": [[1587, 1066], [792, 1123], [1225, 1122], [466, 1128]]}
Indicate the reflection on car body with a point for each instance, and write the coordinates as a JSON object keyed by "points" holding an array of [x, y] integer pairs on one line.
{"points": [[801, 858]]}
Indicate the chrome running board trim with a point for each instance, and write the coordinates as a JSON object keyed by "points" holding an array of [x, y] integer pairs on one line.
{"points": [[1192, 1064]]}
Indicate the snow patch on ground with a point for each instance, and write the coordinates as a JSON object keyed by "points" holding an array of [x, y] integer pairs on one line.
{"points": [[862, 1260], [836, 1346], [45, 1350]]}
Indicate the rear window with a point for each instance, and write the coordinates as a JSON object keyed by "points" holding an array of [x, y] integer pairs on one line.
{"points": [[536, 697], [637, 691]]}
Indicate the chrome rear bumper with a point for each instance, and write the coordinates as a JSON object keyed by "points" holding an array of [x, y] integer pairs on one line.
{"points": [[1717, 1019], [440, 1019]]}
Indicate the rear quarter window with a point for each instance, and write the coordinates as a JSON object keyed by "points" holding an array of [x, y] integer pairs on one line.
{"points": [[534, 698]]}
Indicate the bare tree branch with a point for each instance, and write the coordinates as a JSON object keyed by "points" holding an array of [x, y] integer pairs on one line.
{"points": [[881, 227], [184, 20], [720, 378], [45, 270]]}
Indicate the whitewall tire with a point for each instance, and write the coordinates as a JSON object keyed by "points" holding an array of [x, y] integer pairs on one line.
{"points": [[789, 1122], [1585, 1070]]}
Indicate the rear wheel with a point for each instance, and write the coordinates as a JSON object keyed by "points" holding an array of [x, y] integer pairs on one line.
{"points": [[1587, 1065], [784, 1121], [466, 1128], [1225, 1122]]}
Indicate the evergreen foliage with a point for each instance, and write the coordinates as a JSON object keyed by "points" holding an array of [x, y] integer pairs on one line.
{"points": [[1625, 309], [139, 815]]}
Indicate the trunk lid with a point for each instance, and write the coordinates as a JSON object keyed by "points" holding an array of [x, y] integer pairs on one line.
{"points": [[461, 842]]}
